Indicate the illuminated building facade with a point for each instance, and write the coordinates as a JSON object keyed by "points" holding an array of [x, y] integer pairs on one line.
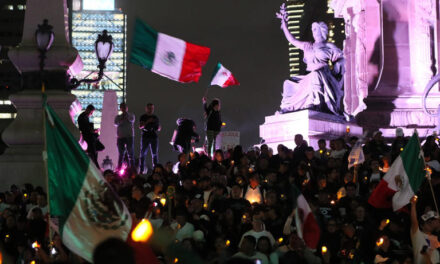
{"points": [[87, 22]]}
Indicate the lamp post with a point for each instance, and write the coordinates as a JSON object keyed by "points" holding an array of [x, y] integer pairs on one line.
{"points": [[103, 48], [44, 37]]}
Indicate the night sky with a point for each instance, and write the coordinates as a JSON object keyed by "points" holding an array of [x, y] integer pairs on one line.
{"points": [[243, 35]]}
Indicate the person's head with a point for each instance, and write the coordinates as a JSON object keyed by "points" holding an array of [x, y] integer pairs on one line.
{"points": [[137, 192], [218, 156], [157, 186], [299, 139], [322, 144], [374, 165], [42, 200], [123, 107], [149, 109], [430, 221], [319, 30], [339, 144], [215, 104], [37, 213], [182, 158], [113, 251], [295, 242], [90, 109], [360, 213], [264, 246], [331, 226], [377, 136], [257, 223], [248, 245], [236, 191], [350, 189], [310, 152]]}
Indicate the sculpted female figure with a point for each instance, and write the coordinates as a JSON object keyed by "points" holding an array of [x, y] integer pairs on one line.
{"points": [[321, 89]]}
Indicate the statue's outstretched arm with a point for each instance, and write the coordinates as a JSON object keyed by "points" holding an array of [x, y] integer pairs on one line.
{"points": [[282, 15]]}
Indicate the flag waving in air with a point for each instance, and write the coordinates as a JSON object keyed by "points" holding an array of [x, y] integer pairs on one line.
{"points": [[223, 77], [402, 180], [168, 56]]}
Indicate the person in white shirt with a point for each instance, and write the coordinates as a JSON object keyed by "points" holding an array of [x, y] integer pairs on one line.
{"points": [[125, 132], [247, 250], [258, 231], [182, 228], [423, 242]]}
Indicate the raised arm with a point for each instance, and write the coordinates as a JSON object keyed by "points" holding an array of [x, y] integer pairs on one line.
{"points": [[282, 15], [414, 221]]}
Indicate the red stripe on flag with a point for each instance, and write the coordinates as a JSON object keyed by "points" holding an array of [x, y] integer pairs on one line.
{"points": [[193, 61], [382, 196], [311, 231], [230, 81]]}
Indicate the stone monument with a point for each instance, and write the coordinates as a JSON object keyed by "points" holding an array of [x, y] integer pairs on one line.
{"points": [[22, 161], [391, 52], [312, 105]]}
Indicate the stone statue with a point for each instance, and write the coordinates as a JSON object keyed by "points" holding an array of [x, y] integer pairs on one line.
{"points": [[321, 89]]}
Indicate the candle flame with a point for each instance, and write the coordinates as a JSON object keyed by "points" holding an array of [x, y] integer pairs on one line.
{"points": [[142, 231]]}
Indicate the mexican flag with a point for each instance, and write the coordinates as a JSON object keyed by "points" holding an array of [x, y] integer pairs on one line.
{"points": [[88, 209], [166, 55], [223, 77], [402, 180], [306, 225]]}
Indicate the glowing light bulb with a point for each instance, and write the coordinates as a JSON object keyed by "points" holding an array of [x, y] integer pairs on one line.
{"points": [[176, 260], [205, 205], [324, 249], [163, 201], [228, 243], [223, 124], [332, 202], [280, 240], [142, 231], [387, 221], [401, 149], [321, 151]]}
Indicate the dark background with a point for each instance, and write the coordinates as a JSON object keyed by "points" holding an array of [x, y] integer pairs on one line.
{"points": [[244, 35]]}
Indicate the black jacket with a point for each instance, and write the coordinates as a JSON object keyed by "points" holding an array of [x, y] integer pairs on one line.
{"points": [[213, 118]]}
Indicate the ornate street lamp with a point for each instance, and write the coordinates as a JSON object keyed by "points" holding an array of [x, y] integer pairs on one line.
{"points": [[44, 37], [103, 48]]}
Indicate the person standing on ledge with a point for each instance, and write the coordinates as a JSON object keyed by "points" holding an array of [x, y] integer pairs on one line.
{"points": [[89, 134], [124, 123], [213, 124], [149, 124]]}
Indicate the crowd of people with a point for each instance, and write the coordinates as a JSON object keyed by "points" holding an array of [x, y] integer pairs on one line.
{"points": [[238, 207]]}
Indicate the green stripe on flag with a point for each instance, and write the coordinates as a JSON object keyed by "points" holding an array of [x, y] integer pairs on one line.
{"points": [[217, 68], [67, 165], [412, 160], [144, 45]]}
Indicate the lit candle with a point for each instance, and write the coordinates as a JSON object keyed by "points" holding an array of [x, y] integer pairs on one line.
{"points": [[142, 231]]}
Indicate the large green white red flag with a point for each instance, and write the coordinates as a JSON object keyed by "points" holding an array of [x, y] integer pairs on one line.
{"points": [[402, 180], [88, 209], [223, 77], [168, 56]]}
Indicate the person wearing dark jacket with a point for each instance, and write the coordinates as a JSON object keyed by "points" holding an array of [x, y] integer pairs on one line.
{"points": [[185, 133], [89, 133], [149, 125], [213, 123]]}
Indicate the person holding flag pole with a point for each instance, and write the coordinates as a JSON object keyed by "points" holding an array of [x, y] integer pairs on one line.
{"points": [[223, 78]]}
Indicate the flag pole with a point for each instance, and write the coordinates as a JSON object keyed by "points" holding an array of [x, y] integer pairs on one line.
{"points": [[206, 91], [46, 171], [428, 173]]}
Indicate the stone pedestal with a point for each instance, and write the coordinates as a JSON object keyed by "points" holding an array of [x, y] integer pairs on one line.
{"points": [[282, 128], [22, 162]]}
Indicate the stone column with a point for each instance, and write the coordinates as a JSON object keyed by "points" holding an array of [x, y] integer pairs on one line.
{"points": [[22, 162]]}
